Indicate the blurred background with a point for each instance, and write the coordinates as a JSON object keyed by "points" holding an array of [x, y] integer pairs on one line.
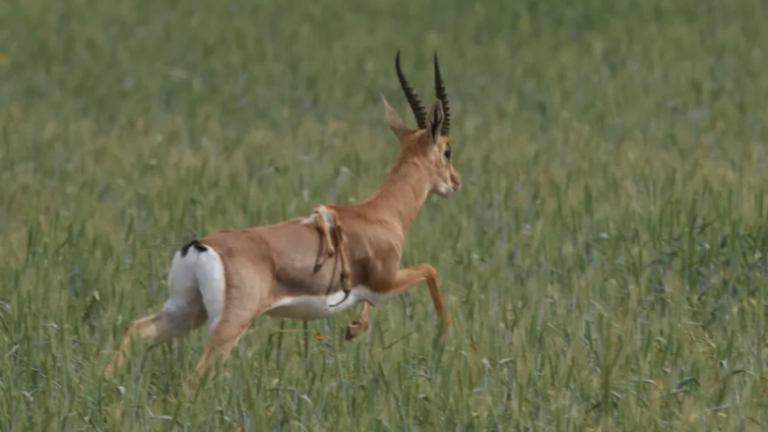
{"points": [[604, 264]]}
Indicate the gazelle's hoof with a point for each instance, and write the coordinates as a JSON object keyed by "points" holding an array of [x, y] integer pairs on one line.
{"points": [[355, 330]]}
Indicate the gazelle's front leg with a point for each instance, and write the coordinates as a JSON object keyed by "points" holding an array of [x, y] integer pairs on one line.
{"points": [[359, 326], [405, 279]]}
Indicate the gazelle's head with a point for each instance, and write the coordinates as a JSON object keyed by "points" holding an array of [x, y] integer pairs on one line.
{"points": [[428, 146]]}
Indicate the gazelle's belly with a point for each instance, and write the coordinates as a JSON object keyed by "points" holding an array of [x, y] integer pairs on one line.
{"points": [[319, 307]]}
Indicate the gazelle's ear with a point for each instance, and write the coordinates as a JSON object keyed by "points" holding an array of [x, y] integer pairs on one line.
{"points": [[393, 120], [435, 120]]}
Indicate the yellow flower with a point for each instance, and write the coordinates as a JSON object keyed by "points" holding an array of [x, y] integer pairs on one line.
{"points": [[5, 59]]}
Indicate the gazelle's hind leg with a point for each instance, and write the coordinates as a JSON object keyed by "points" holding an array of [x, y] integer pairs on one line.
{"points": [[224, 336], [157, 328], [230, 317], [227, 331], [181, 313]]}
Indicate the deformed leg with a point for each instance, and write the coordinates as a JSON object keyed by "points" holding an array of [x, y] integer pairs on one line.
{"points": [[345, 277], [330, 234], [346, 282], [326, 243]]}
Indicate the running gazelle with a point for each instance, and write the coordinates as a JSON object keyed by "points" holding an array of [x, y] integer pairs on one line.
{"points": [[232, 277]]}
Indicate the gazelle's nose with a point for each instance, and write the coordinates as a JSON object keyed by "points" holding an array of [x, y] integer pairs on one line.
{"points": [[456, 183]]}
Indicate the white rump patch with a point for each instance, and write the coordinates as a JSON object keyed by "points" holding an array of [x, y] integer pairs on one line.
{"points": [[197, 273], [183, 296], [210, 277], [319, 307]]}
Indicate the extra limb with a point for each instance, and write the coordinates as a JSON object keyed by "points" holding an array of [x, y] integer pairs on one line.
{"points": [[405, 279], [341, 243], [331, 234], [326, 243]]}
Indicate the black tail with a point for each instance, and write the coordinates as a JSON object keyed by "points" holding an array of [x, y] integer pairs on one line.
{"points": [[195, 244]]}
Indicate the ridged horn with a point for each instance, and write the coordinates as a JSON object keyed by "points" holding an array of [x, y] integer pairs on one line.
{"points": [[413, 98], [443, 96]]}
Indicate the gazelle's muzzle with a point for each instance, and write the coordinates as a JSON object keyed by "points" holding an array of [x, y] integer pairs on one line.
{"points": [[455, 182]]}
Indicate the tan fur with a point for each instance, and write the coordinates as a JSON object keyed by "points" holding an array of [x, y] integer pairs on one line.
{"points": [[267, 263]]}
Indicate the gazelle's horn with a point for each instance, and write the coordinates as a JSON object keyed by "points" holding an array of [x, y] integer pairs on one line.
{"points": [[443, 96], [413, 98]]}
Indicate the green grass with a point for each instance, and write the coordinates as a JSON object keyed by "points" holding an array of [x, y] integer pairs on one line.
{"points": [[605, 265]]}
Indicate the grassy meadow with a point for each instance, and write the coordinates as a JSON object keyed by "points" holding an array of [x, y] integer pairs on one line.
{"points": [[605, 265]]}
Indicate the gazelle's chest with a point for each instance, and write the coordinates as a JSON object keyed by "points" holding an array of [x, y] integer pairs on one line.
{"points": [[307, 307]]}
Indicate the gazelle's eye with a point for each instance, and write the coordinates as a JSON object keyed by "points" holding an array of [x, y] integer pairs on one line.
{"points": [[447, 154]]}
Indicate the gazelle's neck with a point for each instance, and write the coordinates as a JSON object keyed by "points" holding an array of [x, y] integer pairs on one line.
{"points": [[402, 193]]}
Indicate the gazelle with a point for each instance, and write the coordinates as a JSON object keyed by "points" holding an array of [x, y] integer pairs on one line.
{"points": [[232, 277]]}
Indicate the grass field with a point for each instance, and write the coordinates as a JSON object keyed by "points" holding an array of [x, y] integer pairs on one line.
{"points": [[605, 265]]}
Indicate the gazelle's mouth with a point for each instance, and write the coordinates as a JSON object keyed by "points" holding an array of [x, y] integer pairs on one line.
{"points": [[451, 189]]}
